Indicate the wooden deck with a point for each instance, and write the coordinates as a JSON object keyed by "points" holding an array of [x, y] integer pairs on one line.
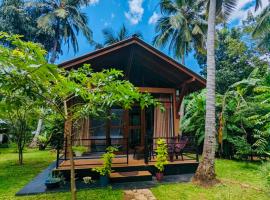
{"points": [[118, 163]]}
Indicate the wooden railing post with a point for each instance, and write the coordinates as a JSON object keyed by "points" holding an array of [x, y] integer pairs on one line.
{"points": [[127, 149], [65, 157], [57, 154], [146, 149]]}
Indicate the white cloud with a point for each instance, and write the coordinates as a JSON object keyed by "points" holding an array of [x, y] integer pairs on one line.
{"points": [[93, 2], [240, 13], [135, 13], [112, 15], [154, 18]]}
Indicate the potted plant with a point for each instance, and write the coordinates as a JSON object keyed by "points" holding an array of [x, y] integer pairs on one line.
{"points": [[106, 169], [171, 152], [79, 150], [162, 155], [53, 182]]}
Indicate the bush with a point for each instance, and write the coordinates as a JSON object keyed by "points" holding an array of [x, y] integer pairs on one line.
{"points": [[162, 155], [106, 169]]}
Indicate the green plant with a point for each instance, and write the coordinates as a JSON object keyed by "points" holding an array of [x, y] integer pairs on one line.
{"points": [[107, 157], [43, 140], [81, 149], [265, 173], [162, 155]]}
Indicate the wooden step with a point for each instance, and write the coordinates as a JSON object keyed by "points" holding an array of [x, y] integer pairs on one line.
{"points": [[131, 176]]}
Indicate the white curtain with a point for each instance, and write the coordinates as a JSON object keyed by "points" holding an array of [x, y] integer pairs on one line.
{"points": [[163, 120]]}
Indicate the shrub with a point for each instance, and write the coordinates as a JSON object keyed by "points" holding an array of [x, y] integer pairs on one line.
{"points": [[80, 149], [107, 157], [162, 155]]}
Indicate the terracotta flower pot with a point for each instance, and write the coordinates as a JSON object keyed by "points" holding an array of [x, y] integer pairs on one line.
{"points": [[171, 157], [159, 176]]}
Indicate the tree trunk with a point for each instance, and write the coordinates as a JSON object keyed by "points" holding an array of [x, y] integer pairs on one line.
{"points": [[37, 132], [205, 173], [55, 45], [20, 155], [54, 53], [182, 114], [69, 146]]}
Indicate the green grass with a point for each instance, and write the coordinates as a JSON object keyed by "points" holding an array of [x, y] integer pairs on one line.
{"points": [[240, 180], [13, 177]]}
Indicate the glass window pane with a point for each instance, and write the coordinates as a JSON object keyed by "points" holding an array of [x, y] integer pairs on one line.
{"points": [[117, 117]]}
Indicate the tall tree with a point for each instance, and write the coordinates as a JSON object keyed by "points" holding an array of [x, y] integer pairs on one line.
{"points": [[15, 18], [262, 28], [206, 169], [235, 59], [181, 27], [111, 37], [205, 173], [64, 20]]}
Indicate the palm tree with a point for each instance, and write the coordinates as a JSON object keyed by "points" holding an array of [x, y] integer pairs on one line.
{"points": [[205, 173], [65, 20], [111, 37], [182, 26], [262, 28]]}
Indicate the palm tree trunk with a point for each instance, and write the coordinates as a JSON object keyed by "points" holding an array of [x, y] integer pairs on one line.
{"points": [[54, 52], [34, 142], [183, 59], [205, 173], [71, 159], [55, 45]]}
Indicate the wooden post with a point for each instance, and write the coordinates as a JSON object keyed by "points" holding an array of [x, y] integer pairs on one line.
{"points": [[57, 154], [146, 150], [127, 149]]}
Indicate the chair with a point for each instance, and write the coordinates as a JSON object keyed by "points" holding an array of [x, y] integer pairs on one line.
{"points": [[179, 147]]}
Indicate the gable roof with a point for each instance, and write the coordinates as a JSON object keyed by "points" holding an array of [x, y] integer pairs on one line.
{"points": [[148, 53]]}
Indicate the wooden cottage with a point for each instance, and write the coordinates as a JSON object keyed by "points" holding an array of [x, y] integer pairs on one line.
{"points": [[135, 131]]}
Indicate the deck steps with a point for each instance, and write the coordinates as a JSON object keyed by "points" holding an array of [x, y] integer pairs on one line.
{"points": [[130, 176]]}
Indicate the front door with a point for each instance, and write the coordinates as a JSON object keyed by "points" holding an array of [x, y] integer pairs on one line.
{"points": [[136, 130]]}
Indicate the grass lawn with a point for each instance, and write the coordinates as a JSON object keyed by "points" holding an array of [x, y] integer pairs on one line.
{"points": [[13, 177], [240, 180]]}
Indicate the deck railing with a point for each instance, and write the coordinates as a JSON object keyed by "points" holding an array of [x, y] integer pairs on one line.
{"points": [[96, 146], [190, 148]]}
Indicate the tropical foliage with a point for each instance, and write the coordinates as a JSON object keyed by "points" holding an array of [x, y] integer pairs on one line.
{"points": [[162, 155], [181, 27], [243, 113], [25, 77], [110, 37], [51, 23], [107, 157], [193, 121], [235, 58], [262, 28], [64, 20]]}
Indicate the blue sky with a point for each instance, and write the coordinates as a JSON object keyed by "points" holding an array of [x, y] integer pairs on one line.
{"points": [[137, 15]]}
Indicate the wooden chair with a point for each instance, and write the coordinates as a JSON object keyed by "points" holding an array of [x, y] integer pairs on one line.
{"points": [[179, 147]]}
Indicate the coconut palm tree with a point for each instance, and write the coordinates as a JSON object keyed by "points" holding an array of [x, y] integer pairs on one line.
{"points": [[111, 37], [205, 173], [181, 27], [65, 20], [262, 28]]}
